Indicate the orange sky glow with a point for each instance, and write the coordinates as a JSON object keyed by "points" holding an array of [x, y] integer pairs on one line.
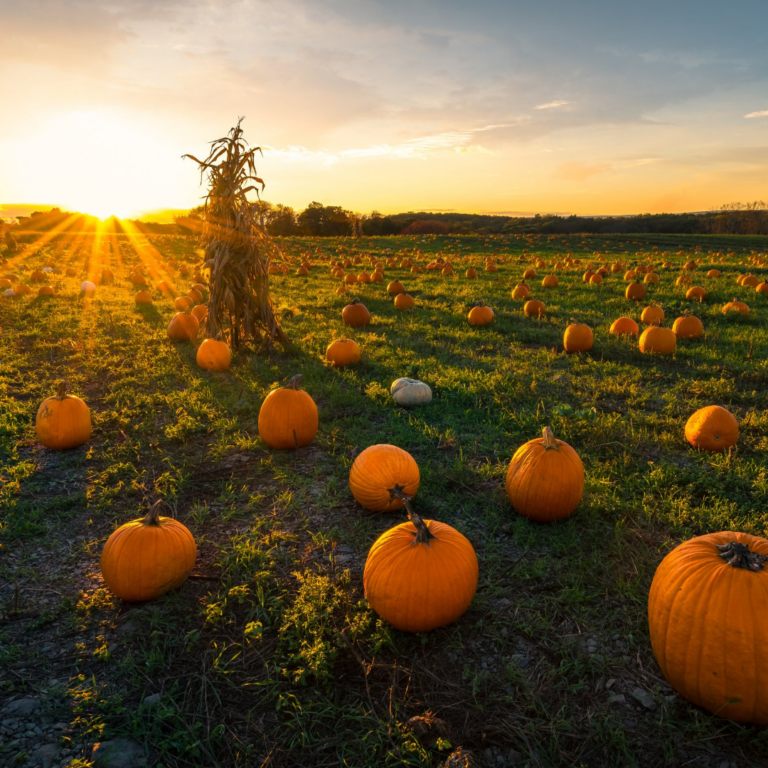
{"points": [[509, 109]]}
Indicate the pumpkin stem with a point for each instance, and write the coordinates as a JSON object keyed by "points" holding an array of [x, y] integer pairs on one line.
{"points": [[423, 534], [61, 391], [549, 439], [153, 516], [294, 382], [356, 300], [739, 556]]}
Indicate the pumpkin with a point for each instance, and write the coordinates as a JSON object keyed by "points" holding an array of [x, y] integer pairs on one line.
{"points": [[471, 273], [142, 297], [45, 290], [182, 303], [63, 421], [550, 281], [750, 281], [302, 272], [138, 279], [407, 392], [736, 306], [695, 292], [545, 479], [587, 276], [624, 325], [652, 316], [712, 429], [635, 291], [195, 295], [687, 327], [404, 301], [395, 287], [651, 278], [420, 575], [288, 417], [342, 352], [37, 276], [377, 277], [107, 276], [691, 265], [148, 557], [480, 315], [491, 267], [596, 279], [706, 615], [714, 273], [529, 274], [762, 287], [356, 314], [87, 288], [9, 293], [214, 355], [381, 475], [5, 283], [521, 291], [534, 308], [71, 272], [630, 275], [364, 278], [200, 312], [183, 327], [656, 339], [578, 337]]}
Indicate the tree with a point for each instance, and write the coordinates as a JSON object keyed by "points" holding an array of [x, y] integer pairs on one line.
{"points": [[237, 248]]}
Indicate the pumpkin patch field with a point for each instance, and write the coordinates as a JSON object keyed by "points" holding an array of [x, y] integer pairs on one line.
{"points": [[422, 533]]}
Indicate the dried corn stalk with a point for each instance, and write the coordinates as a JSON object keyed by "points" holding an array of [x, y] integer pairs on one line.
{"points": [[237, 249]]}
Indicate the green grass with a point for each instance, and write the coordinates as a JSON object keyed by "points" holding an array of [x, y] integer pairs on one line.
{"points": [[276, 659]]}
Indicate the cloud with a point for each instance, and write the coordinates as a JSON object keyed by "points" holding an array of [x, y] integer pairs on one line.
{"points": [[763, 113], [553, 104], [577, 171]]}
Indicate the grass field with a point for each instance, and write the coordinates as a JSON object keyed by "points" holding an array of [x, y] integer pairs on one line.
{"points": [[269, 655]]}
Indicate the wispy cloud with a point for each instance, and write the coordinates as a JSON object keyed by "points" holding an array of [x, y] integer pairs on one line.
{"points": [[553, 104], [762, 113]]}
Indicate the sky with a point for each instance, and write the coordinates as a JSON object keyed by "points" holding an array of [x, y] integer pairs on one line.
{"points": [[492, 106]]}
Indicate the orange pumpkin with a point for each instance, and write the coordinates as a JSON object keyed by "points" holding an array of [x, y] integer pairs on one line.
{"points": [[403, 301], [706, 614], [480, 315], [738, 307], [420, 575], [182, 303], [288, 417], [214, 355], [521, 291], [578, 337], [200, 312], [342, 352], [148, 557], [688, 327], [550, 281], [183, 327], [652, 316], [712, 429], [534, 308], [142, 297], [63, 421], [635, 291], [696, 292], [545, 479], [651, 278], [381, 475], [624, 326], [45, 290], [471, 273], [395, 287], [656, 339], [596, 279], [356, 314]]}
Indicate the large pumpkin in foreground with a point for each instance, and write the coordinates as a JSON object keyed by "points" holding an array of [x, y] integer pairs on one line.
{"points": [[148, 557], [381, 475], [63, 421], [420, 575], [288, 417], [706, 613], [545, 479]]}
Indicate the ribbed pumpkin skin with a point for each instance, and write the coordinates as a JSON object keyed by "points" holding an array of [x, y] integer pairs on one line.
{"points": [[379, 468], [708, 628], [480, 316], [659, 340], [688, 327], [356, 314], [342, 352], [63, 423], [712, 429], [624, 325], [288, 419], [578, 337], [418, 587], [545, 484], [183, 327], [141, 562]]}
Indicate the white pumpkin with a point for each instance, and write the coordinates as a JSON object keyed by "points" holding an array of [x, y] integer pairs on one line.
{"points": [[87, 287], [48, 269], [410, 392], [9, 292]]}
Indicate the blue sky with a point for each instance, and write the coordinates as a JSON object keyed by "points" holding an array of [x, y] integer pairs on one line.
{"points": [[589, 107]]}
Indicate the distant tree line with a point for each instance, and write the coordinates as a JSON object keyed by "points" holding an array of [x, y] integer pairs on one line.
{"points": [[318, 220]]}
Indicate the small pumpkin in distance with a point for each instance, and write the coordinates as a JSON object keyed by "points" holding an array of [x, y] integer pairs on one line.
{"points": [[706, 615], [420, 575], [148, 557], [288, 417], [545, 479], [408, 392], [63, 421], [381, 474], [342, 352], [712, 428], [480, 315]]}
